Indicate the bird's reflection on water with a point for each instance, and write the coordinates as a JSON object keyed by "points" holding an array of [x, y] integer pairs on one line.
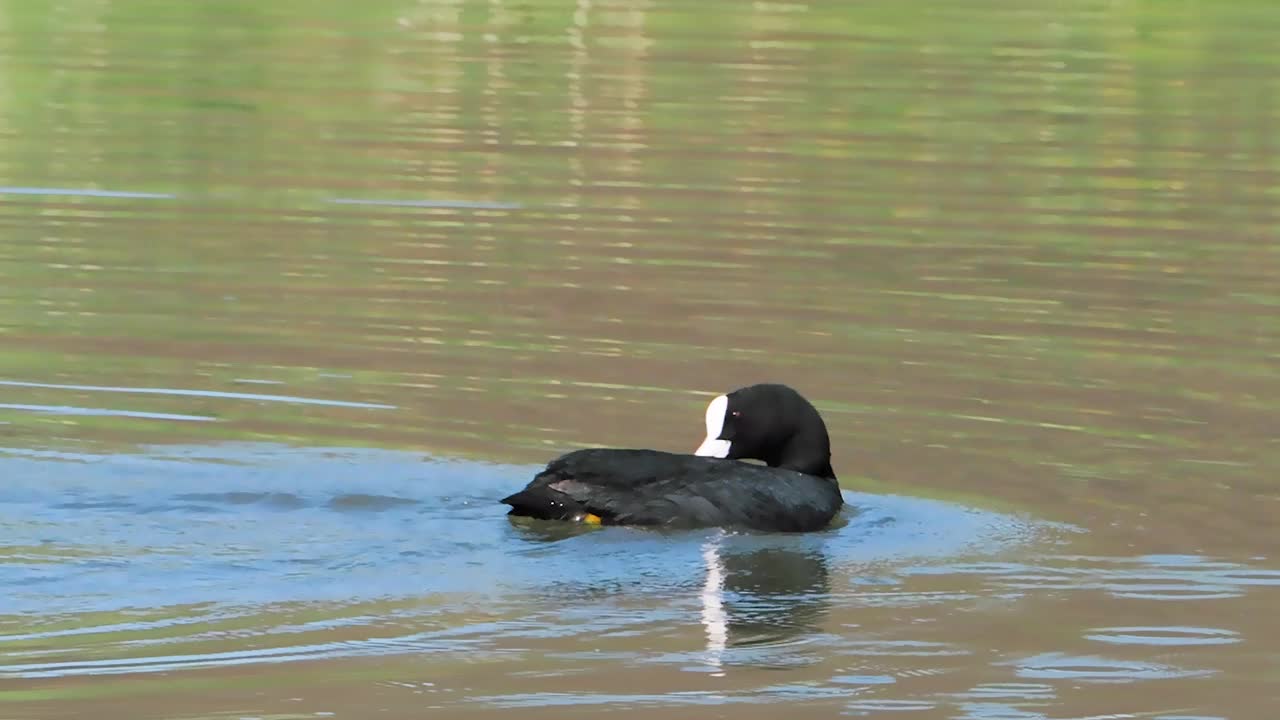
{"points": [[761, 596], [751, 591]]}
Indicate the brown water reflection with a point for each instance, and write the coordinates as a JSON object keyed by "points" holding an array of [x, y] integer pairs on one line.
{"points": [[1022, 255]]}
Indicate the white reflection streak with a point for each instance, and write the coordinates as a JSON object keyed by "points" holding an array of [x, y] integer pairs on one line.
{"points": [[578, 106], [714, 619]]}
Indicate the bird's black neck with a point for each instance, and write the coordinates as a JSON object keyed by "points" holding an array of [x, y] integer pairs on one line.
{"points": [[810, 458]]}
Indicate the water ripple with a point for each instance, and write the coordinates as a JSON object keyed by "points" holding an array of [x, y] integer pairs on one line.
{"points": [[461, 204], [1093, 668], [1167, 635], [1009, 691], [868, 707], [105, 412], [1161, 578], [902, 648], [200, 393], [86, 192]]}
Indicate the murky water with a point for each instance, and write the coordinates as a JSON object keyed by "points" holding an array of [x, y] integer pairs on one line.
{"points": [[291, 293]]}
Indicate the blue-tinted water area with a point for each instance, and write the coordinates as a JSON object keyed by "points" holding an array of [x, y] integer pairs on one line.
{"points": [[193, 558], [240, 530]]}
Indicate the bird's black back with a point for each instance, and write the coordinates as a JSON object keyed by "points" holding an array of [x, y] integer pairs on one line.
{"points": [[650, 487]]}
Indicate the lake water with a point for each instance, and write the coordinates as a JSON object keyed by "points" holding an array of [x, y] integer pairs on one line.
{"points": [[292, 293]]}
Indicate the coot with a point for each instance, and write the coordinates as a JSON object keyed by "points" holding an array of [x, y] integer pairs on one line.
{"points": [[797, 492]]}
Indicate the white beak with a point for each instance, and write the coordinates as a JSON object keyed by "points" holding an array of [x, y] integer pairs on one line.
{"points": [[713, 446]]}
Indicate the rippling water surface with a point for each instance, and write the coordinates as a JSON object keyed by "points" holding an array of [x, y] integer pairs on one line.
{"points": [[291, 293]]}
